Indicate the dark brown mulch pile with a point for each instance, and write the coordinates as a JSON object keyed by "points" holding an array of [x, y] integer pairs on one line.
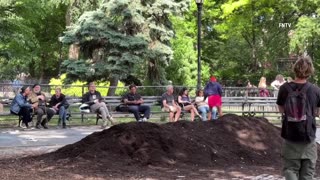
{"points": [[250, 146], [232, 140]]}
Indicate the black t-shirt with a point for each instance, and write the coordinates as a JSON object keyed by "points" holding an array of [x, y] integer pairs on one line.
{"points": [[313, 94], [295, 131], [131, 97]]}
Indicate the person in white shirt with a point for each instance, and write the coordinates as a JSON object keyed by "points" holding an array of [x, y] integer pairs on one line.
{"points": [[277, 83], [203, 107]]}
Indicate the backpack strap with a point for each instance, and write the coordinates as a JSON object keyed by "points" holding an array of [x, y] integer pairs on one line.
{"points": [[305, 87], [288, 87]]}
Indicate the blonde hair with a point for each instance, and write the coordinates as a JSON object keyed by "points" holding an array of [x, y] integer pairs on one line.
{"points": [[262, 82], [303, 67]]}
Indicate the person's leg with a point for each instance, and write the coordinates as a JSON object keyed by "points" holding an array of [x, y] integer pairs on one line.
{"points": [[40, 113], [213, 113], [109, 117], [50, 113], [145, 110], [178, 112], [307, 170], [26, 115], [63, 115], [135, 111], [219, 111], [190, 108], [171, 116], [106, 109], [203, 111], [291, 168]]}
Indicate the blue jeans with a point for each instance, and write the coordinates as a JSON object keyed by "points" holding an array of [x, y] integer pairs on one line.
{"points": [[137, 110], [205, 109], [62, 115]]}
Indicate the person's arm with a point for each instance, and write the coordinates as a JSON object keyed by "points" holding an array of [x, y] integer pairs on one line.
{"points": [[126, 100], [52, 101], [274, 84], [62, 101], [282, 95], [281, 109], [21, 102], [179, 100], [198, 99], [164, 102], [219, 89], [140, 100]]}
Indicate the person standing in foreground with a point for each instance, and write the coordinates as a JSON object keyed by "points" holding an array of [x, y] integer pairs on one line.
{"points": [[298, 101], [213, 92]]}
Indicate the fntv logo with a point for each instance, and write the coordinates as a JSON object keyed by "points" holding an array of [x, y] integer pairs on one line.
{"points": [[284, 25]]}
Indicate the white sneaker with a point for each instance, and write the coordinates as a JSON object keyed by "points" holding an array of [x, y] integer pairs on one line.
{"points": [[140, 120], [144, 119], [110, 118]]}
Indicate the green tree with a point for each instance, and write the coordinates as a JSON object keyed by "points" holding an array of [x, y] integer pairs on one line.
{"points": [[124, 38]]}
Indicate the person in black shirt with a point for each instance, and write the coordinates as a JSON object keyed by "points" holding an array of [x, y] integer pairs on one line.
{"points": [[299, 149], [134, 102], [94, 99], [58, 104]]}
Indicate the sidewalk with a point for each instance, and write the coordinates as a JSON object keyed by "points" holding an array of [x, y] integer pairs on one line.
{"points": [[23, 142]]}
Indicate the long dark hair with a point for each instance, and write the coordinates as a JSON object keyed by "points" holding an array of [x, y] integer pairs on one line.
{"points": [[23, 89], [182, 91]]}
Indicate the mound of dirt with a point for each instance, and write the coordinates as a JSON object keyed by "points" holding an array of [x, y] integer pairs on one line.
{"points": [[231, 140]]}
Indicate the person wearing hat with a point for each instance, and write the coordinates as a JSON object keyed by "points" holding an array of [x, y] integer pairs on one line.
{"points": [[21, 107], [213, 92], [38, 98]]}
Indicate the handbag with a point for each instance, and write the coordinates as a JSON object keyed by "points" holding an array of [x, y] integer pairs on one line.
{"points": [[122, 108]]}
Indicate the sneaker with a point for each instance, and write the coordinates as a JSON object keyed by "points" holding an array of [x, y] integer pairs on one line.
{"points": [[104, 125], [38, 126], [140, 120], [144, 119], [44, 125], [110, 118]]}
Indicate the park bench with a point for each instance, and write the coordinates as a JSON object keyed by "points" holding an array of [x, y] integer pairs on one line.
{"points": [[245, 106], [251, 106]]}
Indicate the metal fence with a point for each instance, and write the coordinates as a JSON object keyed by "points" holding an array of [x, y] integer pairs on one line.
{"points": [[9, 90]]}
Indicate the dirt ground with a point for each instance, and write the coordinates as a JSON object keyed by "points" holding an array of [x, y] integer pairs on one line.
{"points": [[232, 147]]}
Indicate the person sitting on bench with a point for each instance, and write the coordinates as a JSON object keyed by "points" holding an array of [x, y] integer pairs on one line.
{"points": [[169, 105], [59, 105], [21, 107], [38, 98], [94, 99], [135, 104], [186, 104]]}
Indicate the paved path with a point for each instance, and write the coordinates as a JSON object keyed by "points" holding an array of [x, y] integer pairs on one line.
{"points": [[20, 142]]}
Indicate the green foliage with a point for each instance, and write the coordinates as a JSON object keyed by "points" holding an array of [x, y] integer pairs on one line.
{"points": [[77, 88], [121, 35], [29, 38]]}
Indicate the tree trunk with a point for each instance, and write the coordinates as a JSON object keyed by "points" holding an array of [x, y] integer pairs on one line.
{"points": [[114, 83]]}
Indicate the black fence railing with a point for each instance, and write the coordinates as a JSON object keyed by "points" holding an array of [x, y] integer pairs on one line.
{"points": [[9, 90]]}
